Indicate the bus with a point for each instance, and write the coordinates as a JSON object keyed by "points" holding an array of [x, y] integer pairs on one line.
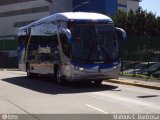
{"points": [[71, 46]]}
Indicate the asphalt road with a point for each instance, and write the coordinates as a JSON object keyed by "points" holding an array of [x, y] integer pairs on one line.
{"points": [[20, 95]]}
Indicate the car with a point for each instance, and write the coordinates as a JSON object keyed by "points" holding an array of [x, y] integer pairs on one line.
{"points": [[156, 74], [129, 64], [150, 69], [137, 69]]}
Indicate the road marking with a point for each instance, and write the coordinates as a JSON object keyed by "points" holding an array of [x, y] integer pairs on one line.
{"points": [[97, 109], [9, 101], [128, 101]]}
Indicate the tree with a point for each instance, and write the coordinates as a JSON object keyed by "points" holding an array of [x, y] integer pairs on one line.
{"points": [[143, 33], [138, 23], [120, 19]]}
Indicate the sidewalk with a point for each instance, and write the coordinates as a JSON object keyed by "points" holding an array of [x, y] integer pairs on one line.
{"points": [[9, 69], [155, 84]]}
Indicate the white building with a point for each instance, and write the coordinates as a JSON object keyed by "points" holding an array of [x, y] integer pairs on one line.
{"points": [[127, 5], [17, 13]]}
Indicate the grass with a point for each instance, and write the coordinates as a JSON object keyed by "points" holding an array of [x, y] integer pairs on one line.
{"points": [[139, 76]]}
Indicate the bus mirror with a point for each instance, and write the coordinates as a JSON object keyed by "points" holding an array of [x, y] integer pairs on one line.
{"points": [[67, 32], [122, 33]]}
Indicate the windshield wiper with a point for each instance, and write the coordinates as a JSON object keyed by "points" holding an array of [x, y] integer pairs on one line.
{"points": [[108, 59], [90, 53]]}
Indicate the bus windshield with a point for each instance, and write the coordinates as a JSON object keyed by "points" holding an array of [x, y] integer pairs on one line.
{"points": [[94, 43]]}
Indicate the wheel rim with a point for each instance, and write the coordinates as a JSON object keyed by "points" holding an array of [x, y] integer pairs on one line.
{"points": [[98, 82], [28, 71], [58, 77]]}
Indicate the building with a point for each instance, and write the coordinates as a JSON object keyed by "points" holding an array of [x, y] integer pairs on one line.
{"points": [[105, 6], [17, 13], [128, 5]]}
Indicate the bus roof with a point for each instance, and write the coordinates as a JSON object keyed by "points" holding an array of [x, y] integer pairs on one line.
{"points": [[66, 16]]}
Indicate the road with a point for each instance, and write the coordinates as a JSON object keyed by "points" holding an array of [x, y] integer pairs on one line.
{"points": [[20, 95]]}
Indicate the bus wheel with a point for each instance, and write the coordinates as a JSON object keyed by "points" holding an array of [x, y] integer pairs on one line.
{"points": [[29, 74], [98, 82], [58, 76]]}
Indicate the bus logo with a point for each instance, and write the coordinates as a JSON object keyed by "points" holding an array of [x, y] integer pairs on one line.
{"points": [[45, 50]]}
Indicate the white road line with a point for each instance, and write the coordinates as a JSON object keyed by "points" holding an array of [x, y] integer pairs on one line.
{"points": [[103, 96], [97, 109]]}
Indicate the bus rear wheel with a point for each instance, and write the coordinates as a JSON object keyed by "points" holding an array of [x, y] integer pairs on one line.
{"points": [[98, 82], [29, 74], [58, 76]]}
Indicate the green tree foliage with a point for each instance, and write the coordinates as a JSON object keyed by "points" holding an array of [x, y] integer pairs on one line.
{"points": [[143, 34], [138, 23]]}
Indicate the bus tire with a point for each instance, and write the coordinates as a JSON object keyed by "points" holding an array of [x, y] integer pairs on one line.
{"points": [[28, 70], [98, 82], [58, 76]]}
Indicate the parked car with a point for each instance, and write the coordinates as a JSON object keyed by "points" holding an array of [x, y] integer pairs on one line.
{"points": [[156, 74], [150, 69], [129, 64], [137, 69]]}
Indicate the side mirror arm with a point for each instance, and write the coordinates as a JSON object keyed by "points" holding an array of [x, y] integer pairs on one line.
{"points": [[67, 32], [124, 35]]}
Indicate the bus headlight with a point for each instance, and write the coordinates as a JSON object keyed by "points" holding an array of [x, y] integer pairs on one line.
{"points": [[78, 68], [115, 67], [81, 69]]}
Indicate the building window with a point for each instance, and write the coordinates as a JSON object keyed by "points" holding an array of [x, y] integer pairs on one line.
{"points": [[24, 11], [8, 2]]}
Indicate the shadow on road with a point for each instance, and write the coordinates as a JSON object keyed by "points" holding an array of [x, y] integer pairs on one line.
{"points": [[148, 96], [48, 86]]}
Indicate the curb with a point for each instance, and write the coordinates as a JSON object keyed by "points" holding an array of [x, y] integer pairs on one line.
{"points": [[134, 84], [6, 69]]}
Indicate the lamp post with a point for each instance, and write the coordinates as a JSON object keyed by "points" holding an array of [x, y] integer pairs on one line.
{"points": [[148, 53], [82, 4]]}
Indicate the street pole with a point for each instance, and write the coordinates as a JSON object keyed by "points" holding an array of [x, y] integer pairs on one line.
{"points": [[82, 4], [148, 54]]}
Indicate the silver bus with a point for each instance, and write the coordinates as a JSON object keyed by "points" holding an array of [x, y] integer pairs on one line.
{"points": [[73, 46]]}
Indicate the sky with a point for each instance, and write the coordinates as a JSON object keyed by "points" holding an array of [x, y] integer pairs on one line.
{"points": [[151, 5]]}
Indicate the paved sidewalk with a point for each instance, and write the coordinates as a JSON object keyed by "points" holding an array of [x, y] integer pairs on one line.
{"points": [[9, 69], [155, 84]]}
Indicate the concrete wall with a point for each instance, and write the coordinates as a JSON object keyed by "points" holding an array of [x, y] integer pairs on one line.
{"points": [[7, 23], [122, 5], [131, 4], [61, 6], [128, 4]]}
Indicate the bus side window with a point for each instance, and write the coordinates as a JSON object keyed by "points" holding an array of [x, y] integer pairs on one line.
{"points": [[65, 45], [54, 49]]}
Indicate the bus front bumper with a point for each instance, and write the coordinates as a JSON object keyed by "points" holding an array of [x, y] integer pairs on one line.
{"points": [[88, 75]]}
